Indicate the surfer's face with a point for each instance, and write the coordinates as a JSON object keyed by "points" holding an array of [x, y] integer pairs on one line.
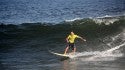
{"points": [[72, 33]]}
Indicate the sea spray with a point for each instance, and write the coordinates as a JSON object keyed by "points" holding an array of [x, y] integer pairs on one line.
{"points": [[107, 55]]}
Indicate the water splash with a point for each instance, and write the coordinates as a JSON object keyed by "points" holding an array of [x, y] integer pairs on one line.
{"points": [[107, 55]]}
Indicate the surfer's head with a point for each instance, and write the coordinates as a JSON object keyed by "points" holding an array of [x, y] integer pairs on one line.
{"points": [[72, 33]]}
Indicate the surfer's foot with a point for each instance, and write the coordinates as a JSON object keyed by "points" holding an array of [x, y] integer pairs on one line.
{"points": [[64, 54], [72, 53]]}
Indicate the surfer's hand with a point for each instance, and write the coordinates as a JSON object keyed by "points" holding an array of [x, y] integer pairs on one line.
{"points": [[84, 40]]}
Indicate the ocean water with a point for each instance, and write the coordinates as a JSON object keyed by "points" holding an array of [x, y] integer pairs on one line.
{"points": [[24, 47], [55, 11]]}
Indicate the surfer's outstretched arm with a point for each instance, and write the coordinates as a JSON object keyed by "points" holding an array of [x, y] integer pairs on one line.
{"points": [[82, 38]]}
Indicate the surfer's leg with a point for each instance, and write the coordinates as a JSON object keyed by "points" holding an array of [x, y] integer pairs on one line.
{"points": [[66, 49], [74, 50]]}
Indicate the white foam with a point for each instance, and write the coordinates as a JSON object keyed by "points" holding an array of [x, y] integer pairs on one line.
{"points": [[115, 48], [83, 54], [106, 55], [73, 19], [105, 16]]}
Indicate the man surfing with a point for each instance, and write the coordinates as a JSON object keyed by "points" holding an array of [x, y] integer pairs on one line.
{"points": [[70, 40]]}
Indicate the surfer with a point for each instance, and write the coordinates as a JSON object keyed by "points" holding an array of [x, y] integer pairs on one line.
{"points": [[70, 40]]}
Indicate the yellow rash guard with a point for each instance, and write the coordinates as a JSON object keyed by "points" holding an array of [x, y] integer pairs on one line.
{"points": [[71, 38]]}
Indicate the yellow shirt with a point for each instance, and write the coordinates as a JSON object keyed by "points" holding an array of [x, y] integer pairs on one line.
{"points": [[72, 38]]}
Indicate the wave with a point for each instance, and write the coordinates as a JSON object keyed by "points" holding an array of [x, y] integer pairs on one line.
{"points": [[106, 55], [86, 27], [71, 20], [51, 36], [106, 18]]}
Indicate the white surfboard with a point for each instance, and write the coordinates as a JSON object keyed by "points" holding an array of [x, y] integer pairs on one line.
{"points": [[64, 55]]}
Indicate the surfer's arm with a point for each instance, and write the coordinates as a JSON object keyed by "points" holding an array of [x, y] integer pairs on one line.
{"points": [[67, 40], [81, 38]]}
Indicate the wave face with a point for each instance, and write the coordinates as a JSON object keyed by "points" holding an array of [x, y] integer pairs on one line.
{"points": [[111, 54], [26, 46], [54, 11], [84, 27]]}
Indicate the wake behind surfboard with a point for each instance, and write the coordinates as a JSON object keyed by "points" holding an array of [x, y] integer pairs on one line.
{"points": [[93, 55]]}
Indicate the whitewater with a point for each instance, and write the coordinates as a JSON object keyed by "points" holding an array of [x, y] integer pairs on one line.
{"points": [[107, 55]]}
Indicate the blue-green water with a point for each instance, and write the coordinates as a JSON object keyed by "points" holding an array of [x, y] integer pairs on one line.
{"points": [[26, 47], [54, 11]]}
